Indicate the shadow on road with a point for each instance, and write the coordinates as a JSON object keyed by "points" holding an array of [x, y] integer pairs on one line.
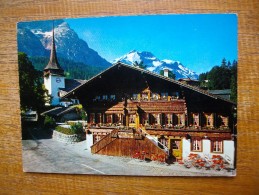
{"points": [[36, 132]]}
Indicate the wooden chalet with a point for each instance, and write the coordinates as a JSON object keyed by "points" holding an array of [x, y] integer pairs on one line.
{"points": [[132, 111]]}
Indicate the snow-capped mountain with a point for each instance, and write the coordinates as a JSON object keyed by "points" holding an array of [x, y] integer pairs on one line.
{"points": [[34, 38], [154, 64]]}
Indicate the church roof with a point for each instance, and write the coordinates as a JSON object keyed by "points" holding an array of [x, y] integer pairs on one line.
{"points": [[71, 84], [143, 71], [53, 61]]}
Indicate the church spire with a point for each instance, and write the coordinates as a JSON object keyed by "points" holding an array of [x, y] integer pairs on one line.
{"points": [[53, 65]]}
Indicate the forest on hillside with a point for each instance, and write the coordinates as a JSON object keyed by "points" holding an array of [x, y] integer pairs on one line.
{"points": [[73, 70], [221, 77]]}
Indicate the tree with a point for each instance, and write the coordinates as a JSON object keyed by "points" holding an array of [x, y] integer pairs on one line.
{"points": [[32, 91], [139, 64], [222, 77], [203, 78], [224, 62], [233, 83], [219, 76]]}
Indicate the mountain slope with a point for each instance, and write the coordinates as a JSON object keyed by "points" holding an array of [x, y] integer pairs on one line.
{"points": [[30, 44], [154, 64], [68, 44]]}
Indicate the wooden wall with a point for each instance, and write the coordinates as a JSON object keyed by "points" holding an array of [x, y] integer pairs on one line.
{"points": [[12, 178], [130, 146]]}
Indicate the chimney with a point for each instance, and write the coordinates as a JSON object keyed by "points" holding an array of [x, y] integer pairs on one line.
{"points": [[166, 70]]}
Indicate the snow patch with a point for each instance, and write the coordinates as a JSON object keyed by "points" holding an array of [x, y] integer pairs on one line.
{"points": [[153, 64]]}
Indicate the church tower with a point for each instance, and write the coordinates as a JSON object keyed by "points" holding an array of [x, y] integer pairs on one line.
{"points": [[54, 78]]}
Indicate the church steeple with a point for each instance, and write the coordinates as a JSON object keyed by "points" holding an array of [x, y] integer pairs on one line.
{"points": [[53, 66]]}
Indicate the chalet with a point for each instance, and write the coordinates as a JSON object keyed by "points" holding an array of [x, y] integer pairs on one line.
{"points": [[133, 111], [190, 81]]}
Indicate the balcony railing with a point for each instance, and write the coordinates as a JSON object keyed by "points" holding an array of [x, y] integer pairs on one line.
{"points": [[155, 99], [159, 127], [187, 128]]}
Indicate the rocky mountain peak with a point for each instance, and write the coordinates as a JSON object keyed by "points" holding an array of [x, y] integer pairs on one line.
{"points": [[154, 64]]}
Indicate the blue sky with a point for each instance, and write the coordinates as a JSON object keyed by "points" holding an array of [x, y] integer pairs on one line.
{"points": [[198, 41]]}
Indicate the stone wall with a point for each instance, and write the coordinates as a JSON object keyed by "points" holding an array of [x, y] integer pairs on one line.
{"points": [[67, 138]]}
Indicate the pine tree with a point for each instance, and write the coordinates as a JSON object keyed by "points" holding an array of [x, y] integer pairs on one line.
{"points": [[233, 84], [224, 62], [220, 76]]}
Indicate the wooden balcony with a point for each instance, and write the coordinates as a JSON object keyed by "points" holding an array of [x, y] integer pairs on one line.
{"points": [[187, 129]]}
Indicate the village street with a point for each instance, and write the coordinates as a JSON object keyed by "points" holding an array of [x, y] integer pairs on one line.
{"points": [[43, 154]]}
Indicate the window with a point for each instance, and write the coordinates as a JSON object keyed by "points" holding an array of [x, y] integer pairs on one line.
{"points": [[168, 119], [117, 118], [182, 119], [175, 144], [112, 97], [97, 98], [155, 96], [196, 145], [217, 146], [179, 120], [144, 96], [134, 96], [163, 141], [157, 118], [164, 96], [224, 120], [144, 118], [196, 119], [175, 95], [105, 97], [109, 118], [209, 120], [98, 118], [132, 118], [92, 118]]}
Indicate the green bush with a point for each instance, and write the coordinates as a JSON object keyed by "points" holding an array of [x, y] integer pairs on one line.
{"points": [[49, 122], [64, 130], [76, 128], [83, 115]]}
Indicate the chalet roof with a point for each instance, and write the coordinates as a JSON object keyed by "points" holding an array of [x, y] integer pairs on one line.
{"points": [[58, 111], [53, 61], [220, 92], [188, 79], [71, 84], [181, 84]]}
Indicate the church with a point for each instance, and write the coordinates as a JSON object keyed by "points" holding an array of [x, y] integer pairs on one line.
{"points": [[132, 111], [57, 86], [55, 81]]}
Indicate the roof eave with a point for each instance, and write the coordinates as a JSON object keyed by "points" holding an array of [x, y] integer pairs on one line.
{"points": [[153, 74]]}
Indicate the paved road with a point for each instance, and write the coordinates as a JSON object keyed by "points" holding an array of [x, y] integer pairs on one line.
{"points": [[43, 154]]}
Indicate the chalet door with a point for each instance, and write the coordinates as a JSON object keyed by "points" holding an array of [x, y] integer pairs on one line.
{"points": [[176, 148]]}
